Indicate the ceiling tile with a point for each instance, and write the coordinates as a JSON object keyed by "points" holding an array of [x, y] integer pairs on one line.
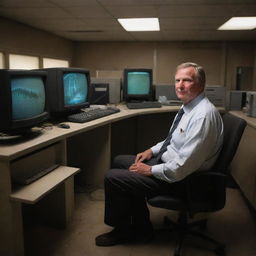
{"points": [[193, 10], [88, 12], [147, 36], [103, 24], [23, 13], [25, 3], [74, 3], [132, 11]]}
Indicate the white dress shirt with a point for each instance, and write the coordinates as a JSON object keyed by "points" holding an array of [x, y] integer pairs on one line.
{"points": [[195, 143]]}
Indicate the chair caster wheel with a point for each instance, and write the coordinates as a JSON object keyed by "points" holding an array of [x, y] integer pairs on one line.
{"points": [[220, 250]]}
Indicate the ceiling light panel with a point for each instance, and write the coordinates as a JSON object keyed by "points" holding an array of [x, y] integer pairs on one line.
{"points": [[140, 24], [239, 23]]}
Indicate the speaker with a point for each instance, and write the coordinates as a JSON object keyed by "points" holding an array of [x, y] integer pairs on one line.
{"points": [[99, 93], [251, 103]]}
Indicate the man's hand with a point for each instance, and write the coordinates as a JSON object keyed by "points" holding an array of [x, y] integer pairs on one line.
{"points": [[141, 168], [146, 155]]}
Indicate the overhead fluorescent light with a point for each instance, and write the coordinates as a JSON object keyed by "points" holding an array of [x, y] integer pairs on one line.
{"points": [[140, 24], [239, 23]]}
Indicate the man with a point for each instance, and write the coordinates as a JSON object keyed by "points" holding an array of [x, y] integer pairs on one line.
{"points": [[193, 143]]}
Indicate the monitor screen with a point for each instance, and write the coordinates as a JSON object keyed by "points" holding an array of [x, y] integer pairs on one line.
{"points": [[75, 88], [67, 90], [137, 84], [28, 97], [22, 100]]}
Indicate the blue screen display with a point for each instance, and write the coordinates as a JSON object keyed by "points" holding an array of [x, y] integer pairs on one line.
{"points": [[75, 88], [28, 97], [138, 83]]}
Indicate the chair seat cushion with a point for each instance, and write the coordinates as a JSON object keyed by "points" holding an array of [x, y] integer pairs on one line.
{"points": [[168, 202]]}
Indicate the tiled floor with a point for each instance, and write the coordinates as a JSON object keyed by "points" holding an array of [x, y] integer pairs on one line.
{"points": [[235, 225]]}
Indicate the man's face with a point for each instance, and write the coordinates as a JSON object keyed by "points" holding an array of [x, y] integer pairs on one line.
{"points": [[186, 85]]}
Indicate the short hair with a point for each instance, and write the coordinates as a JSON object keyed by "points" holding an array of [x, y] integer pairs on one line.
{"points": [[200, 73]]}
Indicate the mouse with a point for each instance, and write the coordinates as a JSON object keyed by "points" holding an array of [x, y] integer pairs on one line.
{"points": [[63, 125]]}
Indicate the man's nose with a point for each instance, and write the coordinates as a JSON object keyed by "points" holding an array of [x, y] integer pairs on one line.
{"points": [[180, 84]]}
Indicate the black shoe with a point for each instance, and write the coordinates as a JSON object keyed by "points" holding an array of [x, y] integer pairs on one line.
{"points": [[122, 236], [116, 236]]}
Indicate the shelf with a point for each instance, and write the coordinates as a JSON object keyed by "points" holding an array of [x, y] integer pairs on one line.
{"points": [[33, 192]]}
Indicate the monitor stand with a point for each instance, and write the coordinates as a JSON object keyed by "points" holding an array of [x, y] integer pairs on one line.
{"points": [[19, 137]]}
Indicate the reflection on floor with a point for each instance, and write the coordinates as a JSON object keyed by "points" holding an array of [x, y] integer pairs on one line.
{"points": [[235, 225]]}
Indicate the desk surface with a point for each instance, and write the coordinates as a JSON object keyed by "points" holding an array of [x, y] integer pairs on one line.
{"points": [[251, 121], [54, 134]]}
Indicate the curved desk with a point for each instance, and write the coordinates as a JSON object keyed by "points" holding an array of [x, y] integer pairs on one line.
{"points": [[244, 163], [88, 146]]}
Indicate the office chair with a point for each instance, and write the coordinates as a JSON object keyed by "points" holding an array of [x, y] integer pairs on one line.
{"points": [[205, 190]]}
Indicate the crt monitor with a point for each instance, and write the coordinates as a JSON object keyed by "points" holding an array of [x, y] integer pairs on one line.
{"points": [[137, 84], [67, 90], [22, 100]]}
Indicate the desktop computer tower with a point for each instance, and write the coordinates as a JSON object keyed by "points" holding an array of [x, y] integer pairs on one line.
{"points": [[114, 88], [166, 90], [237, 100], [99, 93], [216, 94]]}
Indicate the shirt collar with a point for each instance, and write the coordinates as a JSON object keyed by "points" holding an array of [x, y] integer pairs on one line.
{"points": [[188, 107]]}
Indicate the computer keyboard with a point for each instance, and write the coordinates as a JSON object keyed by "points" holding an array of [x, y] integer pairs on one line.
{"points": [[91, 114], [172, 103], [144, 104]]}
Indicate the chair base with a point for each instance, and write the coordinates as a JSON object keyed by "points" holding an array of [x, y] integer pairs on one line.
{"points": [[185, 229]]}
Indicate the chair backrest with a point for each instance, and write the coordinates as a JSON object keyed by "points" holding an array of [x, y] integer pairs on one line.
{"points": [[233, 131], [209, 195]]}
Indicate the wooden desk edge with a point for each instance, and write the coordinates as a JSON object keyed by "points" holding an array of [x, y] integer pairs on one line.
{"points": [[250, 120]]}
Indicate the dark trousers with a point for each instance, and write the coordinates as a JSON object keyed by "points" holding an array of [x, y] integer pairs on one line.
{"points": [[126, 193]]}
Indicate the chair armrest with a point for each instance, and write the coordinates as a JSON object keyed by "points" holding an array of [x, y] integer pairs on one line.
{"points": [[206, 191]]}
